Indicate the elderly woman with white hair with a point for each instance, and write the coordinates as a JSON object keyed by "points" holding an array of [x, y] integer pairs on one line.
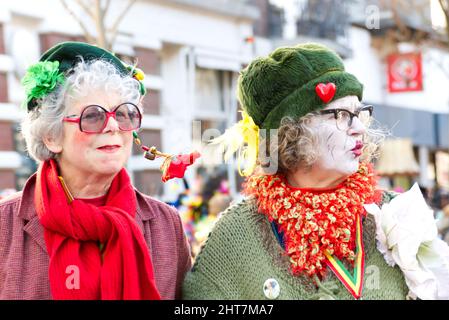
{"points": [[79, 229], [303, 230]]}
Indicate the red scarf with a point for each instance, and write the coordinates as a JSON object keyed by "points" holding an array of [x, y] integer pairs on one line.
{"points": [[73, 231], [315, 220]]}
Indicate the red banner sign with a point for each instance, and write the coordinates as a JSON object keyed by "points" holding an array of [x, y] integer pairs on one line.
{"points": [[404, 72]]}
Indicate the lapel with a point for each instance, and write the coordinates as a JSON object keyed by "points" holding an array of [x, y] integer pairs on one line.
{"points": [[145, 212], [27, 212], [35, 230]]}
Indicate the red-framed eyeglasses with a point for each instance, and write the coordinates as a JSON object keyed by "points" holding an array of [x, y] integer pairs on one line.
{"points": [[94, 118]]}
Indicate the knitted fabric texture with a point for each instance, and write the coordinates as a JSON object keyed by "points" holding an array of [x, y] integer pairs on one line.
{"points": [[242, 252], [315, 221], [283, 84]]}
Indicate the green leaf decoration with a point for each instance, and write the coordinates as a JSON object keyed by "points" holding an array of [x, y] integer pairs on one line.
{"points": [[40, 79]]}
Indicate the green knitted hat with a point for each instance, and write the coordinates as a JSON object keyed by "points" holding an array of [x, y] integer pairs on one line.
{"points": [[57, 62], [293, 81]]}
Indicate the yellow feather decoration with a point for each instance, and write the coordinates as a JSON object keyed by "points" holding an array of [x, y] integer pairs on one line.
{"points": [[243, 137]]}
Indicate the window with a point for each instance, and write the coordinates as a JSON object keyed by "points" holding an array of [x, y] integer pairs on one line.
{"points": [[148, 60], [212, 124], [323, 19], [2, 42], [7, 179], [48, 40], [3, 87], [6, 136], [209, 90], [149, 182], [151, 102], [130, 60], [149, 138]]}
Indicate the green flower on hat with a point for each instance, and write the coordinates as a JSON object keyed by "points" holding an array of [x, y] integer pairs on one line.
{"points": [[40, 79]]}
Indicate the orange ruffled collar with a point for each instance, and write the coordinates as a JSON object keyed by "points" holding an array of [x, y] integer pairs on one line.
{"points": [[315, 220]]}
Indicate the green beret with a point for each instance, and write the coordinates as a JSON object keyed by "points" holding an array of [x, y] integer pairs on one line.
{"points": [[57, 62], [68, 54]]}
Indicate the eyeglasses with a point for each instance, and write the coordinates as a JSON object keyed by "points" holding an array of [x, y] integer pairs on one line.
{"points": [[94, 118], [344, 117]]}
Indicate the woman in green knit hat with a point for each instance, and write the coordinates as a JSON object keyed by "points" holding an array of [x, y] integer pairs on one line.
{"points": [[303, 230]]}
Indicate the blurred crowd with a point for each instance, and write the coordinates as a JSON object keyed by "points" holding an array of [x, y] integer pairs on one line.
{"points": [[438, 200], [200, 204]]}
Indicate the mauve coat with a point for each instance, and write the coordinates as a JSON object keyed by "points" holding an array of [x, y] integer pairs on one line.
{"points": [[24, 258]]}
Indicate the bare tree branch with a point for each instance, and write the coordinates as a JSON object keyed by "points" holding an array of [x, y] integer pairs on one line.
{"points": [[115, 26], [384, 5], [85, 8], [106, 7], [444, 4], [421, 7], [87, 34], [96, 10], [99, 24], [404, 31]]}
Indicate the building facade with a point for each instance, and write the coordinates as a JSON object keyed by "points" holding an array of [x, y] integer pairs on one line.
{"points": [[360, 31], [191, 53], [418, 116]]}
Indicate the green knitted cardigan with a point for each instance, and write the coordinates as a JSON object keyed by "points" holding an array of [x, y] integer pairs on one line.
{"points": [[242, 252]]}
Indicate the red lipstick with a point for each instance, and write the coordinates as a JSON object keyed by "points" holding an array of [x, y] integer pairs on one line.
{"points": [[357, 150]]}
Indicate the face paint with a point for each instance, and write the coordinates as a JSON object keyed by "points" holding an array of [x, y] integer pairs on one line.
{"points": [[339, 151]]}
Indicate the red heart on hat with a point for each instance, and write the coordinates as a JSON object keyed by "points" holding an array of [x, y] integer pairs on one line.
{"points": [[325, 91]]}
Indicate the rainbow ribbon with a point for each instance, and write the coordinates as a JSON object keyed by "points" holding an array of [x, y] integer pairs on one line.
{"points": [[353, 282]]}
